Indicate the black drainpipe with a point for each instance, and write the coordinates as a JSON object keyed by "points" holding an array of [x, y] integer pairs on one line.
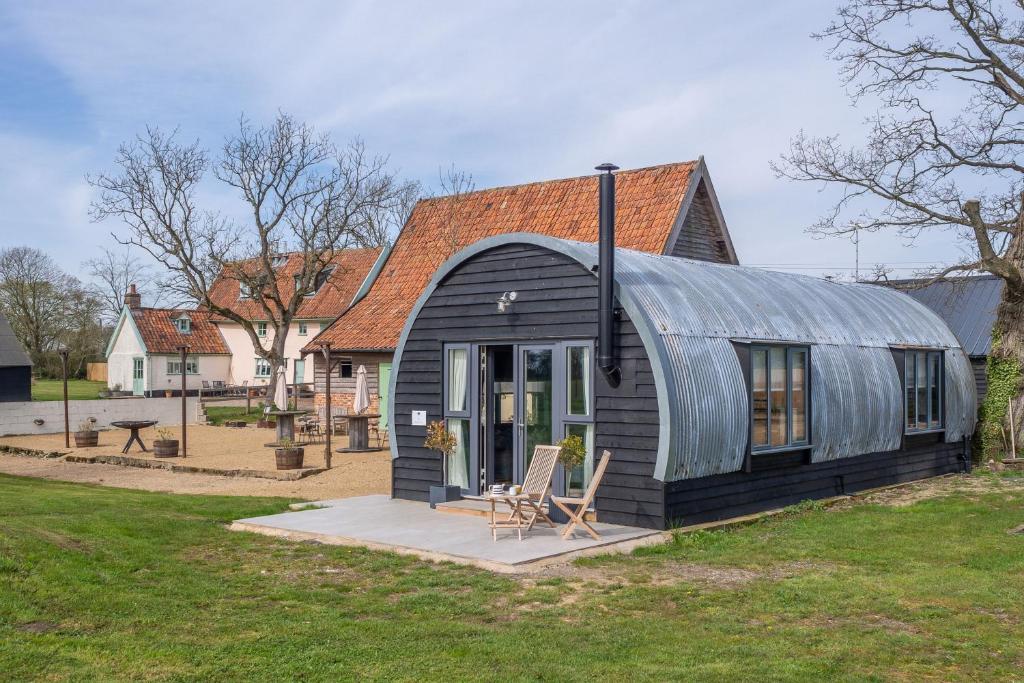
{"points": [[606, 276]]}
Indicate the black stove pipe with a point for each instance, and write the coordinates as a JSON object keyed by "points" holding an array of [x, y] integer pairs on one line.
{"points": [[606, 273]]}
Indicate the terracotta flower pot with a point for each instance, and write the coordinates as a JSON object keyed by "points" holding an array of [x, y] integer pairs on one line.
{"points": [[165, 448], [289, 458], [87, 439]]}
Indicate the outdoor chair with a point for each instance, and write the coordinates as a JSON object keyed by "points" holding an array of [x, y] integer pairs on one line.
{"points": [[526, 505], [576, 508]]}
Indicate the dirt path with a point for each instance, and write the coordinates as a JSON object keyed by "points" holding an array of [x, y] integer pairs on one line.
{"points": [[347, 478]]}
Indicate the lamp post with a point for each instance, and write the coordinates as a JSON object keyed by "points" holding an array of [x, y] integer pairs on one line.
{"points": [[67, 423], [183, 350], [326, 347]]}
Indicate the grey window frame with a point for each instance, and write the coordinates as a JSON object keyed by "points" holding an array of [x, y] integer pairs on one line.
{"points": [[471, 412], [912, 354], [261, 329], [303, 330], [791, 350]]}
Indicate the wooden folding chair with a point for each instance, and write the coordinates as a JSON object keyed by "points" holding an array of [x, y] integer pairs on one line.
{"points": [[566, 503], [526, 506], [537, 485]]}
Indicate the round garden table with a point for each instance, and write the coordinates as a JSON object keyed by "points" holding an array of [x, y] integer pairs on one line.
{"points": [[134, 426], [359, 433], [286, 423]]}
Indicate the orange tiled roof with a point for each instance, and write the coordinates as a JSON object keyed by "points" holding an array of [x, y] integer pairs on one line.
{"points": [[161, 336], [647, 203], [351, 267]]}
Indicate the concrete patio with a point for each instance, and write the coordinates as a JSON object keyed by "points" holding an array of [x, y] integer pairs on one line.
{"points": [[406, 527]]}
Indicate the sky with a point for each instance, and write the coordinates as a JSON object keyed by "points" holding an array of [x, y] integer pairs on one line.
{"points": [[510, 92]]}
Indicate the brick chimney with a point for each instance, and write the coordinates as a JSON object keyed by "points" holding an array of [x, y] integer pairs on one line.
{"points": [[132, 299]]}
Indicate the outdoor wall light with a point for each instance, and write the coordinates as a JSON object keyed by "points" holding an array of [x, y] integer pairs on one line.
{"points": [[505, 301]]}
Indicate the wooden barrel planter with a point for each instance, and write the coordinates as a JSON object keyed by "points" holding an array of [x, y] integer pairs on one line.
{"points": [[87, 439], [165, 448], [289, 458]]}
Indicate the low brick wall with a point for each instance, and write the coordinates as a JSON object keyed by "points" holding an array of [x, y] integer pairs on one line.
{"points": [[19, 417]]}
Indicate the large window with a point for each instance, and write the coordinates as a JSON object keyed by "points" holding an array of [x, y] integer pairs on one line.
{"points": [[778, 397], [262, 367], [922, 382], [457, 412], [174, 366]]}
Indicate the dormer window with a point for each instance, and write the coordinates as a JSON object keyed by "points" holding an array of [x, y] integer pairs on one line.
{"points": [[321, 279], [278, 261], [183, 324], [244, 291]]}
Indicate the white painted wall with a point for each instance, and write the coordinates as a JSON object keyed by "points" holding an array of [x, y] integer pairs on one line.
{"points": [[119, 363], [17, 417], [211, 368], [243, 355]]}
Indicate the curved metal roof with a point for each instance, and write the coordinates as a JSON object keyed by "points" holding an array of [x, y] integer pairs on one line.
{"points": [[689, 312]]}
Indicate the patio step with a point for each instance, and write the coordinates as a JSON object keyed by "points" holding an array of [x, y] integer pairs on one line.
{"points": [[481, 507]]}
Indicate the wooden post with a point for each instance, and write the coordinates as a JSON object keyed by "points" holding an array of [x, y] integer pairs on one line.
{"points": [[326, 346], [1013, 432], [183, 350], [67, 421]]}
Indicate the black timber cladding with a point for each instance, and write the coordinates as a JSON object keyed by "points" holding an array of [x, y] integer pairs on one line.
{"points": [[557, 300], [787, 479]]}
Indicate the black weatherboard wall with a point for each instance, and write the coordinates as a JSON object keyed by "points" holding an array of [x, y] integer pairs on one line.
{"points": [[557, 300]]}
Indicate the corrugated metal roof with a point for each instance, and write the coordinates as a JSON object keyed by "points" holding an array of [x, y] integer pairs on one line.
{"points": [[967, 304], [688, 313], [12, 354]]}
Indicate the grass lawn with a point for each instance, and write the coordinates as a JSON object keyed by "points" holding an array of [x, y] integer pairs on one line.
{"points": [[105, 584], [78, 389], [218, 415]]}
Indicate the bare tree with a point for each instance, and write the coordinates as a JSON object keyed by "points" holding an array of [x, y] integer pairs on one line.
{"points": [[384, 221], [454, 185], [47, 308], [943, 151], [112, 274], [302, 194]]}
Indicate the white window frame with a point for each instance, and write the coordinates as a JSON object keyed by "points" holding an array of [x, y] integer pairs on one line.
{"points": [[262, 363], [303, 329], [174, 366]]}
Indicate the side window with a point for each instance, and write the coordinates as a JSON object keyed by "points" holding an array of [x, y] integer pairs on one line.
{"points": [[922, 390], [578, 418], [345, 368], [261, 329], [262, 367], [457, 412], [303, 329], [779, 396]]}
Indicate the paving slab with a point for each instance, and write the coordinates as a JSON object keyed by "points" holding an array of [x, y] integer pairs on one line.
{"points": [[409, 527]]}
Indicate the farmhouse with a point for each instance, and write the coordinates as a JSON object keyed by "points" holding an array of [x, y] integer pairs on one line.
{"points": [[720, 390], [15, 366], [669, 209], [143, 352], [335, 290]]}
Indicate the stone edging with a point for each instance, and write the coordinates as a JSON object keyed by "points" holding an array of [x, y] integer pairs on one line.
{"points": [[127, 461], [29, 452]]}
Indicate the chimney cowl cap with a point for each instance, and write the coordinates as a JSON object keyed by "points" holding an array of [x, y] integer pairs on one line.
{"points": [[607, 167]]}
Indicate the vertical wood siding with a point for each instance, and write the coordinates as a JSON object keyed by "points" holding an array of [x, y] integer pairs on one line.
{"points": [[701, 236], [557, 300]]}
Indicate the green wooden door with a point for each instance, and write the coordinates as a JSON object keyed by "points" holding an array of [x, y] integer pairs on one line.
{"points": [[138, 388], [384, 389]]}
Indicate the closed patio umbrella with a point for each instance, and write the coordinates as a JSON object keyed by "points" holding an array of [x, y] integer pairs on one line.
{"points": [[362, 398], [281, 392]]}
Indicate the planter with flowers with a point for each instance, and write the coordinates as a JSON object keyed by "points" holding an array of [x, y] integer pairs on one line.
{"points": [[441, 440]]}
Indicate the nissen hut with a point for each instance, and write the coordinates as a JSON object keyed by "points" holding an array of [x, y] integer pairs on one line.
{"points": [[719, 390]]}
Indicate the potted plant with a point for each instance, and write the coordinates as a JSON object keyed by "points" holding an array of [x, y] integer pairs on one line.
{"points": [[572, 453], [86, 436], [165, 445], [288, 455], [441, 440]]}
